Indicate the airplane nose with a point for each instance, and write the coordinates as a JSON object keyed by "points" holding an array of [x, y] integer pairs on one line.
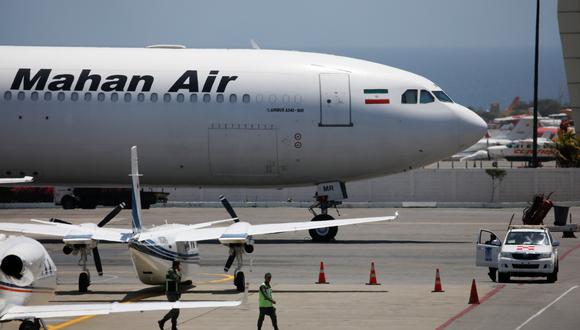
{"points": [[471, 127]]}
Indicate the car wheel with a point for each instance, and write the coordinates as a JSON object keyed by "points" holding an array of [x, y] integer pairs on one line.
{"points": [[503, 277]]}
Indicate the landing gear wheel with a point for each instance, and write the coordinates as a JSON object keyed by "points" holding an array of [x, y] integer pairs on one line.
{"points": [[29, 325], [503, 277], [68, 203], [240, 281], [553, 277], [323, 234], [84, 282]]}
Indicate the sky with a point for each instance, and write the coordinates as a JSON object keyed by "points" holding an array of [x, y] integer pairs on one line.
{"points": [[354, 28]]}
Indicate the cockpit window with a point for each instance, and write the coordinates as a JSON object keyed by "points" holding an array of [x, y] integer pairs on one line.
{"points": [[441, 96], [409, 97], [426, 97]]}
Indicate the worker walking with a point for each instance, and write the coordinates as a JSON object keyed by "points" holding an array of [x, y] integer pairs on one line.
{"points": [[266, 303], [173, 293]]}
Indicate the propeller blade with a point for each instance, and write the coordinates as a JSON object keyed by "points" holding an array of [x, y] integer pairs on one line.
{"points": [[98, 263], [59, 221], [229, 208], [229, 262], [111, 215]]}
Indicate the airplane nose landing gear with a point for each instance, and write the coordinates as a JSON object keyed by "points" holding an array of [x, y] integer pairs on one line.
{"points": [[327, 195]]}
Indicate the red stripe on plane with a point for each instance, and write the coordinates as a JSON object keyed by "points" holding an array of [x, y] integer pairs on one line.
{"points": [[377, 101], [21, 290]]}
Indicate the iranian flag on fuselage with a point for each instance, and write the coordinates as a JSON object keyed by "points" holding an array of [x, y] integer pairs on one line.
{"points": [[376, 96]]}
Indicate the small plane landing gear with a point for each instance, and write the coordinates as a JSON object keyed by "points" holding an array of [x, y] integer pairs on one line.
{"points": [[237, 254], [240, 281], [328, 195], [84, 281], [35, 324]]}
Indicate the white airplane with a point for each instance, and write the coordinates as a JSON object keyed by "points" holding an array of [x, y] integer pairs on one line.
{"points": [[28, 281], [521, 150], [210, 117], [153, 249]]}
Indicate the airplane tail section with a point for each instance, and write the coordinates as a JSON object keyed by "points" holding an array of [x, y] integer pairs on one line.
{"points": [[135, 191], [522, 130]]}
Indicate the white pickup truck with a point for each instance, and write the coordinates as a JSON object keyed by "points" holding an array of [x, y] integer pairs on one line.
{"points": [[526, 251]]}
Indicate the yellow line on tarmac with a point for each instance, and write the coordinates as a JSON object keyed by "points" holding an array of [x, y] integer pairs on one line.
{"points": [[225, 278]]}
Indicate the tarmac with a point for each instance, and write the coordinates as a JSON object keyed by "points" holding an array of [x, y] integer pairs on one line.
{"points": [[405, 252]]}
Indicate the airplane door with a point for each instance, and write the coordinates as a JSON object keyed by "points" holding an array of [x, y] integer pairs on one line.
{"points": [[486, 252], [335, 100]]}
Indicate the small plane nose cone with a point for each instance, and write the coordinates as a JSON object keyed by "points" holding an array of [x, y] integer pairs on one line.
{"points": [[471, 128]]}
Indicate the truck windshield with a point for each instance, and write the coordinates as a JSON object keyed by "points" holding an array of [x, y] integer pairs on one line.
{"points": [[527, 238]]}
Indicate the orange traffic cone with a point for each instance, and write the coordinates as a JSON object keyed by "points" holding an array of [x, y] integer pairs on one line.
{"points": [[373, 277], [438, 287], [473, 297], [321, 276]]}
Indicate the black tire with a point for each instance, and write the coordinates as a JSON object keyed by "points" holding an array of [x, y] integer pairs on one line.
{"points": [[553, 277], [29, 325], [84, 282], [240, 281], [323, 234], [503, 277], [68, 202], [145, 206]]}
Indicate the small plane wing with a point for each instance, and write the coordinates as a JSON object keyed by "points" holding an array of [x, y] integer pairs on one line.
{"points": [[61, 230], [215, 233], [25, 179], [69, 310]]}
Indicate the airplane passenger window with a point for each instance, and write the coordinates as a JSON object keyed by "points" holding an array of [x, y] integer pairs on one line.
{"points": [[246, 98], [101, 97], [127, 97], [7, 95], [34, 96], [47, 96], [114, 97], [259, 98], [166, 97], [441, 96], [140, 97], [409, 97], [193, 98], [426, 97], [233, 98], [206, 98], [286, 99], [21, 96], [220, 98], [88, 97], [297, 99], [74, 96], [60, 96], [180, 98], [272, 98], [153, 97]]}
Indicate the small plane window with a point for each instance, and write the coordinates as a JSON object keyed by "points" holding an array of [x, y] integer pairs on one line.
{"points": [[193, 98], [206, 98], [154, 97], [127, 97], [34, 96], [233, 98], [114, 97], [220, 98], [74, 96], [409, 97], [246, 98], [88, 97], [180, 98], [47, 96], [21, 96], [7, 95], [101, 97], [426, 97], [60, 96], [166, 97], [441, 96], [140, 97]]}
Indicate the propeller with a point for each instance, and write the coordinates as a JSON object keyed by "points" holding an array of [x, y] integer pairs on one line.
{"points": [[55, 220], [229, 208], [229, 262], [97, 258], [102, 223]]}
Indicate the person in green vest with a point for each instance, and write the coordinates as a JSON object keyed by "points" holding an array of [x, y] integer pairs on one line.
{"points": [[173, 293], [266, 303]]}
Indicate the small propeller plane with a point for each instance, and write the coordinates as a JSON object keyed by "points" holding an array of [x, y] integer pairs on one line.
{"points": [[28, 280], [153, 249]]}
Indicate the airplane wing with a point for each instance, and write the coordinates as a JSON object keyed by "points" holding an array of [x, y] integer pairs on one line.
{"points": [[25, 179], [69, 310], [68, 231], [274, 228]]}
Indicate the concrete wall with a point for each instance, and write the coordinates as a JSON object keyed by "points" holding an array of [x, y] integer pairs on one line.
{"points": [[569, 20], [422, 185]]}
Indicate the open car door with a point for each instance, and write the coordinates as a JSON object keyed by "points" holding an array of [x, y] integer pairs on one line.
{"points": [[487, 248]]}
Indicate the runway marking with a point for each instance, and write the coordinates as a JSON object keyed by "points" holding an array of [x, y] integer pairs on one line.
{"points": [[547, 306], [491, 293], [79, 319]]}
